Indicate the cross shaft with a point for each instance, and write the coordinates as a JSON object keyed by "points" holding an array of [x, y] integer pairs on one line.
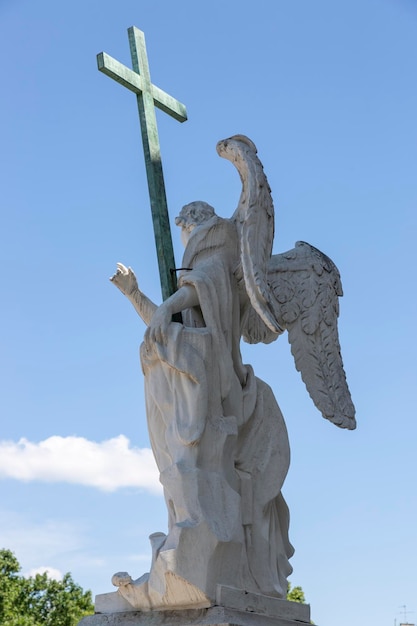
{"points": [[148, 97]]}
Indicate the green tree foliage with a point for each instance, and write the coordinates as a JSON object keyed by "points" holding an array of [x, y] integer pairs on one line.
{"points": [[295, 594], [39, 601]]}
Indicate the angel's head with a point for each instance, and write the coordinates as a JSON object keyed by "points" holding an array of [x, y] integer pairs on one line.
{"points": [[192, 215]]}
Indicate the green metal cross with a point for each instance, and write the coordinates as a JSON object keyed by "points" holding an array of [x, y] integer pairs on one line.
{"points": [[148, 97]]}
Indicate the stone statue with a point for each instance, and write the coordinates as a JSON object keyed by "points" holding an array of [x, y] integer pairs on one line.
{"points": [[216, 431]]}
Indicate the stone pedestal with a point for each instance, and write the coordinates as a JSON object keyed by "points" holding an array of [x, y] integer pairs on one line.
{"points": [[234, 607]]}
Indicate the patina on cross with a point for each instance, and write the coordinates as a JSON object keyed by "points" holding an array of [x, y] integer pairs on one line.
{"points": [[148, 97]]}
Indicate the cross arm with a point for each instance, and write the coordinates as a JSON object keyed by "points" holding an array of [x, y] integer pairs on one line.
{"points": [[168, 104], [133, 81], [119, 72]]}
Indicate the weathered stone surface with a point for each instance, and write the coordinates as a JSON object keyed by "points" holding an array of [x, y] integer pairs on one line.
{"points": [[232, 598], [227, 597], [112, 602], [215, 616]]}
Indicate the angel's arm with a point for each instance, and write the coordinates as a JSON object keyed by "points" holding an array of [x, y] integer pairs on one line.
{"points": [[125, 280], [156, 317], [185, 298]]}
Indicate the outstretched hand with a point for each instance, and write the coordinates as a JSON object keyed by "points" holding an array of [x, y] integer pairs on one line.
{"points": [[125, 280]]}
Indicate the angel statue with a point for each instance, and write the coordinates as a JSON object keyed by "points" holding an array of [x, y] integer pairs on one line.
{"points": [[216, 431]]}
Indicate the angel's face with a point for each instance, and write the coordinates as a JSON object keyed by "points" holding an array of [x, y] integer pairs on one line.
{"points": [[186, 230], [191, 215], [187, 225]]}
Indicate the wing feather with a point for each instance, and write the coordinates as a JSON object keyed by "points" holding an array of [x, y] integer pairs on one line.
{"points": [[306, 286], [254, 218]]}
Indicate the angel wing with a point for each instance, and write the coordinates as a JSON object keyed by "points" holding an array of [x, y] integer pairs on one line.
{"points": [[296, 291], [306, 288], [254, 218]]}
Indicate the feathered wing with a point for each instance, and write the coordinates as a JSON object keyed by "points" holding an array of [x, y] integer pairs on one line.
{"points": [[254, 218], [297, 290], [306, 287]]}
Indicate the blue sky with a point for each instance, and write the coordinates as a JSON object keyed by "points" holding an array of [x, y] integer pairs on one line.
{"points": [[327, 91]]}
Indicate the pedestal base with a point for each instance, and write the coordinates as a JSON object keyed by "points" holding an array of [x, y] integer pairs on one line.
{"points": [[234, 607]]}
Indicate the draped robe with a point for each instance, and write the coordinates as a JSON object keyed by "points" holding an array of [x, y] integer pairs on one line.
{"points": [[218, 436]]}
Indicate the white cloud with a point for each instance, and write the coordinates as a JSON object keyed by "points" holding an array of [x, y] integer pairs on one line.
{"points": [[107, 465], [52, 572]]}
